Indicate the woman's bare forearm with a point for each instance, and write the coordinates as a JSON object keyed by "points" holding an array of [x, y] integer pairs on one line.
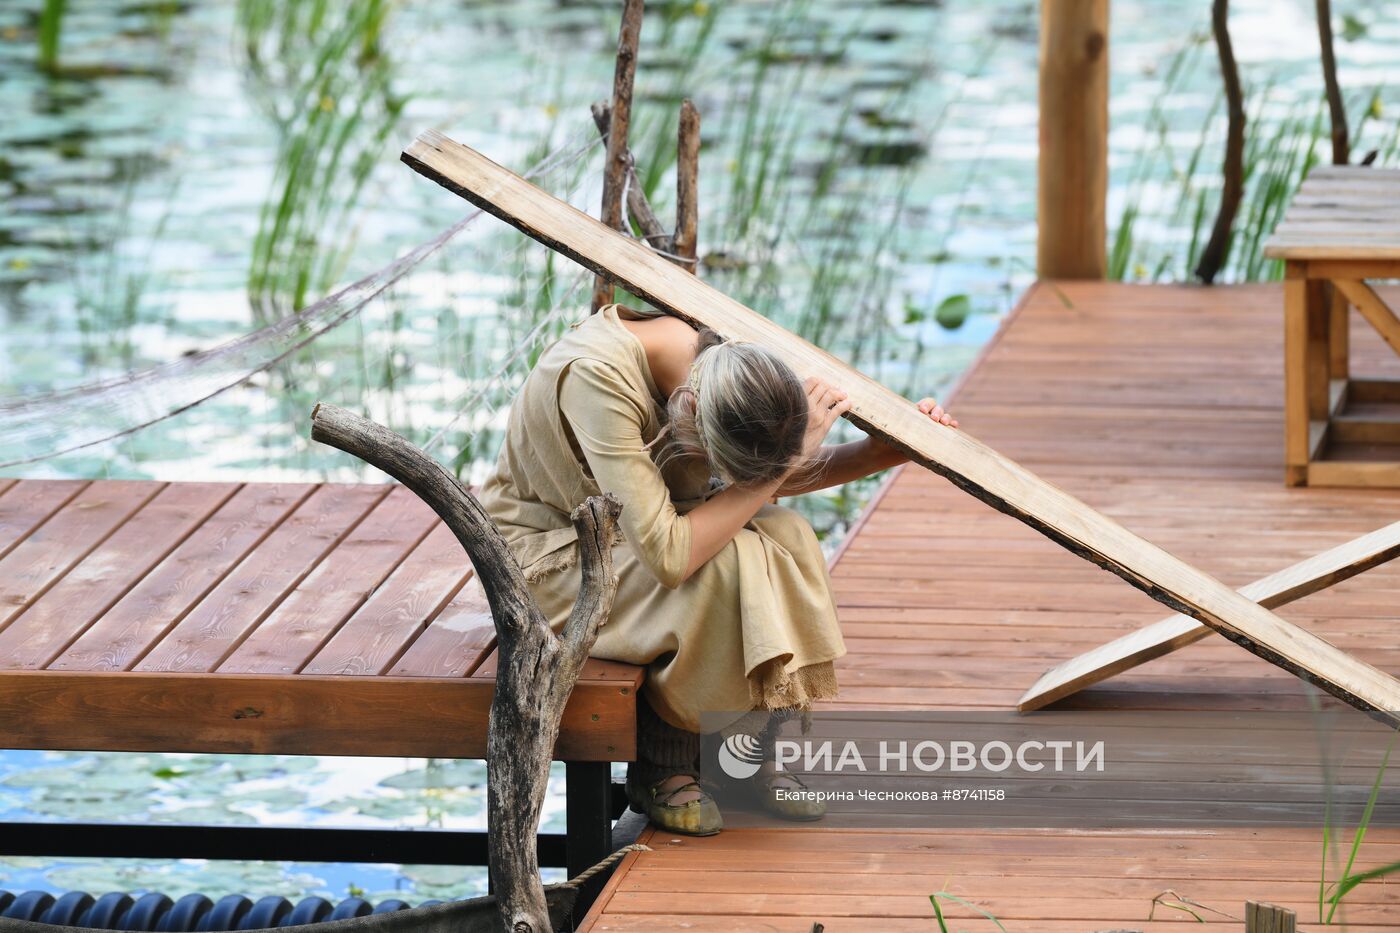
{"points": [[715, 523], [842, 463]]}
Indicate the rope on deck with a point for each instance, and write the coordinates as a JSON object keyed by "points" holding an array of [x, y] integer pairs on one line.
{"points": [[583, 876]]}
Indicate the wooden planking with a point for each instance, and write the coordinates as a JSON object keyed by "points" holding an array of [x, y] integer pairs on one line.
{"points": [[240, 601], [58, 544], [1161, 638], [127, 630], [1347, 213], [955, 454], [108, 572], [942, 606], [340, 584], [430, 717], [456, 642], [29, 504], [410, 600]]}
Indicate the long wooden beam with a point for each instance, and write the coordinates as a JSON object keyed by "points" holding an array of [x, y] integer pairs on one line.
{"points": [[953, 454], [1161, 638]]}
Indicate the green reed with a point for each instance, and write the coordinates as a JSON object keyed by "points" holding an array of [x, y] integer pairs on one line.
{"points": [[322, 74]]}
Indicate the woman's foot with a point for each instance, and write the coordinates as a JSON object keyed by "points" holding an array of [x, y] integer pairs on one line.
{"points": [[783, 795], [678, 804]]}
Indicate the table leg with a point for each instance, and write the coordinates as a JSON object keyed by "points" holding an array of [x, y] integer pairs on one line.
{"points": [[1319, 351], [1339, 337], [1295, 373]]}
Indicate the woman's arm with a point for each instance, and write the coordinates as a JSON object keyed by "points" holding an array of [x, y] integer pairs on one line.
{"points": [[841, 463], [715, 523]]}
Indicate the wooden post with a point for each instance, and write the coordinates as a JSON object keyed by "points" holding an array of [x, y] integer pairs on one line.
{"points": [[1266, 918], [1073, 235], [620, 118], [687, 186]]}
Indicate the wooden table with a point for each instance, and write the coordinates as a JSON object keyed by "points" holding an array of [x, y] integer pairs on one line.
{"points": [[1342, 228], [275, 618]]}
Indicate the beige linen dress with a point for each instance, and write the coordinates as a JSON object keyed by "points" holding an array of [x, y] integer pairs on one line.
{"points": [[754, 627]]}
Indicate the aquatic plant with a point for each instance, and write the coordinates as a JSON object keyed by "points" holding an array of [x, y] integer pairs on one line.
{"points": [[50, 33], [324, 77]]}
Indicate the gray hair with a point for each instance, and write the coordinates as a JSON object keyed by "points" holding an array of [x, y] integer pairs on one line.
{"points": [[742, 409]]}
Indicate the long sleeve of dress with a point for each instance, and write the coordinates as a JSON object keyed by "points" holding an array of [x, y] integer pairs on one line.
{"points": [[607, 425]]}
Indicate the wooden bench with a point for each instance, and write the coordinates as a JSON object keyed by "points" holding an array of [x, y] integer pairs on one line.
{"points": [[263, 618], [1342, 228]]}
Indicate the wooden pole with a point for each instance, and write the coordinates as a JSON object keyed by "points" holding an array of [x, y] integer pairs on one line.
{"points": [[683, 243], [620, 118], [1266, 918], [536, 670], [1073, 139]]}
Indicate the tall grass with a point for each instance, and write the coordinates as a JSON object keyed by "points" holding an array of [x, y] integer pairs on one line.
{"points": [[1279, 153], [50, 33], [324, 77]]}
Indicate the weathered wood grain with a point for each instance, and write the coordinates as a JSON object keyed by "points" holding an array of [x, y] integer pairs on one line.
{"points": [[29, 504], [1162, 638], [50, 623], [411, 599], [240, 602], [954, 454], [60, 542], [164, 596], [311, 613]]}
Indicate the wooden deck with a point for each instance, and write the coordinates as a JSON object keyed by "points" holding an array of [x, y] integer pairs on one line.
{"points": [[1161, 406], [268, 618]]}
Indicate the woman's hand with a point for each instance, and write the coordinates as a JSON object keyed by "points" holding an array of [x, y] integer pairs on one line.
{"points": [[935, 411], [825, 403]]}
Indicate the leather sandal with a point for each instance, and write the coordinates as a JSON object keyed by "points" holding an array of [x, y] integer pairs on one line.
{"points": [[786, 806], [699, 817]]}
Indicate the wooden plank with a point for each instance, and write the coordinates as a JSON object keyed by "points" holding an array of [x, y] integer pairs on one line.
{"points": [[52, 622], [128, 629], [417, 717], [57, 545], [413, 596], [1162, 638], [1376, 312], [31, 503], [284, 641], [1073, 160], [456, 642], [1355, 473], [210, 631], [955, 454]]}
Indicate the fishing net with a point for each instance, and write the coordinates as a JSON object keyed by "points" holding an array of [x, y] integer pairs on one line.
{"points": [[48, 426]]}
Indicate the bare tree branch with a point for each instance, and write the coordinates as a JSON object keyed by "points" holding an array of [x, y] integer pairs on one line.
{"points": [[1341, 144], [536, 669], [1232, 189]]}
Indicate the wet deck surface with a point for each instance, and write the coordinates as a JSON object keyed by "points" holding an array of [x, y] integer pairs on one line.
{"points": [[1162, 407]]}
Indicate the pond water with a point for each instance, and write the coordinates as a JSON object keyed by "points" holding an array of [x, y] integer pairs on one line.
{"points": [[182, 174]]}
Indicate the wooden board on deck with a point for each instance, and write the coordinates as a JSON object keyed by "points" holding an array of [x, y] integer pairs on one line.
{"points": [[1162, 638], [957, 455]]}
